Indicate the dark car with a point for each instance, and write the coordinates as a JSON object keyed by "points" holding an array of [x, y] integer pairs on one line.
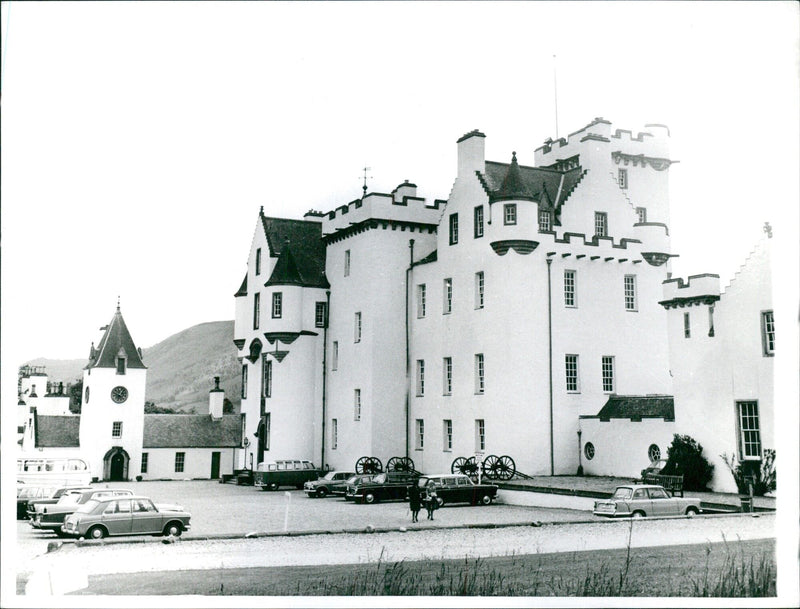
{"points": [[52, 516], [352, 482], [98, 518], [321, 487], [29, 495], [285, 472], [384, 487], [458, 488]]}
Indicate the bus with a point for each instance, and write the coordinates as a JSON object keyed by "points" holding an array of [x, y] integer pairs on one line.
{"points": [[41, 470], [295, 472]]}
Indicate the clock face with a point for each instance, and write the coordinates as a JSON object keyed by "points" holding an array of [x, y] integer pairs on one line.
{"points": [[119, 394], [87, 395]]}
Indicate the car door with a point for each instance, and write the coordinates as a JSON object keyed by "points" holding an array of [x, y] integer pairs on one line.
{"points": [[145, 517], [662, 504], [117, 517], [640, 502]]}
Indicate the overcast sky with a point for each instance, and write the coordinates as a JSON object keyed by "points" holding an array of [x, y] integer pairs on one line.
{"points": [[139, 140]]}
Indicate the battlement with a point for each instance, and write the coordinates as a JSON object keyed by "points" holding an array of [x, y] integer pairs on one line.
{"points": [[695, 287], [402, 205]]}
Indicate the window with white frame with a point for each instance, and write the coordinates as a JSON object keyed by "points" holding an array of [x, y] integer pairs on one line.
{"points": [[630, 293], [608, 373], [510, 213], [447, 435], [277, 305], [357, 405], [571, 363], [419, 439], [420, 377], [768, 332], [453, 229], [266, 378], [545, 220], [480, 435], [258, 261], [600, 224], [145, 459], [244, 381], [749, 430], [347, 263], [622, 178], [256, 310], [642, 213], [180, 461], [421, 300], [357, 327], [321, 315], [687, 325], [570, 284], [334, 434], [447, 376], [478, 221], [335, 355], [480, 385], [116, 429], [479, 286], [447, 292]]}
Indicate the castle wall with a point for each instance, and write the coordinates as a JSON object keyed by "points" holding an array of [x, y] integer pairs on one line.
{"points": [[197, 463]]}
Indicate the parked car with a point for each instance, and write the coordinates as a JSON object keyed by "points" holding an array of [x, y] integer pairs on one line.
{"points": [[654, 469], [459, 488], [287, 472], [353, 481], [639, 500], [383, 487], [52, 516], [322, 487], [135, 515], [30, 494]]}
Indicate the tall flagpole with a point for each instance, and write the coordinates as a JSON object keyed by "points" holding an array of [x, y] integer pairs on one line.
{"points": [[555, 92]]}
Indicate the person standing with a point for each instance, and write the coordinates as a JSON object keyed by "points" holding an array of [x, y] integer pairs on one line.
{"points": [[414, 501], [431, 499]]}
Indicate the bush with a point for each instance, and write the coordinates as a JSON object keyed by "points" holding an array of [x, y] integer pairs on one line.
{"points": [[685, 457], [762, 473]]}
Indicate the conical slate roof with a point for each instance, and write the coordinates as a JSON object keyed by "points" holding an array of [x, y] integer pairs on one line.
{"points": [[286, 271], [116, 341], [513, 186]]}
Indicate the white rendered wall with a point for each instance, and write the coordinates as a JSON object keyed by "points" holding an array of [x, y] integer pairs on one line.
{"points": [[621, 445], [197, 464]]}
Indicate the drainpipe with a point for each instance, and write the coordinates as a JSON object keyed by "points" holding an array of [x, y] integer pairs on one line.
{"points": [[550, 357], [325, 370], [408, 340]]}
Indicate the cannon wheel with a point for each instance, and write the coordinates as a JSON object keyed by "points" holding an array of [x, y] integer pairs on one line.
{"points": [[499, 468], [400, 464], [463, 465], [369, 465]]}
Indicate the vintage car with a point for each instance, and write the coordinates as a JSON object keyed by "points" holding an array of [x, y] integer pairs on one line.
{"points": [[52, 516], [286, 472], [352, 481], [322, 487], [383, 487], [29, 495], [98, 518], [459, 488], [640, 500]]}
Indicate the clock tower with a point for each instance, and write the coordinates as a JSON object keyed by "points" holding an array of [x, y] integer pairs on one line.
{"points": [[112, 413]]}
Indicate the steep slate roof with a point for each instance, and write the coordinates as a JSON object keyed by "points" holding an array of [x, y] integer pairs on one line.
{"points": [[57, 431], [286, 271], [513, 186], [540, 183], [638, 407], [192, 431], [116, 338], [242, 288], [303, 240]]}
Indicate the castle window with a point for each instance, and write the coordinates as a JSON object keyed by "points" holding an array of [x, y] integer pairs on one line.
{"points": [[420, 377], [447, 291], [277, 305], [121, 364], [588, 451], [334, 434], [749, 432], [420, 435], [622, 178], [321, 315], [570, 280], [478, 221], [447, 435], [630, 292], [600, 224], [768, 332], [510, 213], [545, 220], [687, 326], [145, 459], [347, 263], [116, 429], [480, 385], [357, 327], [447, 376], [642, 213], [244, 382], [608, 373], [421, 300], [256, 310], [453, 229], [479, 285], [266, 381], [258, 261], [654, 452], [267, 429], [180, 461], [480, 435], [571, 362], [711, 320], [335, 356], [357, 405]]}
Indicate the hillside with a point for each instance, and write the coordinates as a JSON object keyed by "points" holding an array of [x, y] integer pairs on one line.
{"points": [[180, 369]]}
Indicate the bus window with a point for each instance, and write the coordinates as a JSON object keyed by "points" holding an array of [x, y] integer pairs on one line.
{"points": [[297, 465], [308, 465]]}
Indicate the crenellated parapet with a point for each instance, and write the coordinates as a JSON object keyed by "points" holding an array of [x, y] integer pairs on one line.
{"points": [[695, 290]]}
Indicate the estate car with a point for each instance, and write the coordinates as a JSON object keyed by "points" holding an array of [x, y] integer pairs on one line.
{"points": [[383, 487], [639, 500], [52, 516], [459, 488], [136, 515], [326, 485], [352, 481]]}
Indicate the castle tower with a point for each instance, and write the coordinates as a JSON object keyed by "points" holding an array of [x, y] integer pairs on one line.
{"points": [[112, 414]]}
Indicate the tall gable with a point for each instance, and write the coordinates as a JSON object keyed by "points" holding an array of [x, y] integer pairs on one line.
{"points": [[116, 341]]}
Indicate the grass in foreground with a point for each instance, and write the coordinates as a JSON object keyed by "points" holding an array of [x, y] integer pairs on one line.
{"points": [[736, 569]]}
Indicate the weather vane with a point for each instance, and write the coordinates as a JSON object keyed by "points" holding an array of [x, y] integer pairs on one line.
{"points": [[364, 188]]}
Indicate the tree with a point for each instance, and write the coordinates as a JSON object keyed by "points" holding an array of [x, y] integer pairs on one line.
{"points": [[685, 457], [151, 408], [76, 397], [227, 407]]}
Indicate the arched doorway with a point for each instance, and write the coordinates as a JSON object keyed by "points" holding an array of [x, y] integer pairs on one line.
{"points": [[115, 465]]}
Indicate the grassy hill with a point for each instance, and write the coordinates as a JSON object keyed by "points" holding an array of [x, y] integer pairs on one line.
{"points": [[180, 369]]}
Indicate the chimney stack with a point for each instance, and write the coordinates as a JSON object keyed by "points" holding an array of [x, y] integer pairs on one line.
{"points": [[216, 399], [471, 150]]}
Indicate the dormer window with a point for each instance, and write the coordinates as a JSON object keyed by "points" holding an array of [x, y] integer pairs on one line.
{"points": [[121, 364]]}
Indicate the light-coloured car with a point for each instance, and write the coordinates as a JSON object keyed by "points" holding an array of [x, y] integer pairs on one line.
{"points": [[98, 518], [322, 487], [640, 500], [51, 516]]}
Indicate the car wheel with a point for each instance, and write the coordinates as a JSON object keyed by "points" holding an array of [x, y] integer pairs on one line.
{"points": [[369, 498], [96, 533], [273, 486], [691, 511], [322, 492], [173, 529], [486, 499], [440, 501], [638, 514]]}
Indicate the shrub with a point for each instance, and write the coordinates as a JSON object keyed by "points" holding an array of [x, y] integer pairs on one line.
{"points": [[685, 457], [762, 473]]}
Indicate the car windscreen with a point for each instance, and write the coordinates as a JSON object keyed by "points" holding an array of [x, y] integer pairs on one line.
{"points": [[622, 493], [87, 507], [330, 475], [69, 499], [380, 478]]}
